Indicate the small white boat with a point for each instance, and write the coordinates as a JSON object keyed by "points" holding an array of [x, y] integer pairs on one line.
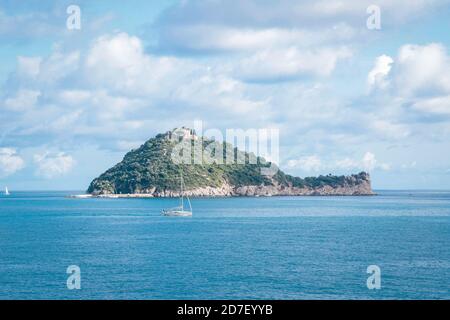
{"points": [[6, 191], [176, 212], [80, 196], [179, 211]]}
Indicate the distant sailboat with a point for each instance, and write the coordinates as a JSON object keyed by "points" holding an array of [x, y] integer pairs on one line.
{"points": [[179, 211], [6, 191]]}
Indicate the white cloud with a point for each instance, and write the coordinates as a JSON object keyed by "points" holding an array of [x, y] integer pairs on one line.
{"points": [[58, 66], [390, 130], [420, 78], [308, 163], [116, 87], [10, 162], [74, 97], [242, 25], [315, 164], [437, 105], [369, 163], [271, 53], [26, 25], [23, 100], [28, 67], [66, 120], [118, 61], [33, 72], [422, 70], [348, 164], [51, 165], [291, 62], [352, 9], [167, 79], [410, 165], [377, 76], [222, 38], [281, 40]]}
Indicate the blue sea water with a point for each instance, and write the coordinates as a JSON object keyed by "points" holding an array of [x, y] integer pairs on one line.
{"points": [[233, 248]]}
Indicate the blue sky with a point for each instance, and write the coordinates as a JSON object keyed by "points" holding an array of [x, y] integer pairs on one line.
{"points": [[345, 98]]}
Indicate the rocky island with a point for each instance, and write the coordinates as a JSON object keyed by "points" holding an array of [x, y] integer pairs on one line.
{"points": [[150, 171]]}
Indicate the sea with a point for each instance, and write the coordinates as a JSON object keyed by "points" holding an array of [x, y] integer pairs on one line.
{"points": [[231, 248]]}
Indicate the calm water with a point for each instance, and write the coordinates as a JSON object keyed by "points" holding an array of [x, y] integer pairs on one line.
{"points": [[238, 248]]}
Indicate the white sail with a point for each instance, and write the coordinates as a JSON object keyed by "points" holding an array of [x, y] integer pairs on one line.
{"points": [[6, 191], [190, 206], [180, 212]]}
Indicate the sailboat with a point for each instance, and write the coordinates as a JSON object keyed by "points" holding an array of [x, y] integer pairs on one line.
{"points": [[6, 191], [179, 211]]}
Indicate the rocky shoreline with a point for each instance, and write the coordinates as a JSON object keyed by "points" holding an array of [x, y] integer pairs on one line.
{"points": [[362, 189]]}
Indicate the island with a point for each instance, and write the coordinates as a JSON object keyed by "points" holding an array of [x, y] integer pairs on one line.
{"points": [[150, 171]]}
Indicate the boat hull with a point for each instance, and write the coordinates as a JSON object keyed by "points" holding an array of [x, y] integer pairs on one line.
{"points": [[177, 213]]}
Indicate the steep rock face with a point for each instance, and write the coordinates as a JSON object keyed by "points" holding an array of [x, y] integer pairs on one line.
{"points": [[362, 187], [150, 172]]}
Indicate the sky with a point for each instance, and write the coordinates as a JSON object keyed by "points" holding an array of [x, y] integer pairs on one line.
{"points": [[345, 96]]}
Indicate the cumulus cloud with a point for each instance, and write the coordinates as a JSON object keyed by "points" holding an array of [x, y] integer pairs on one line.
{"points": [[10, 162], [28, 67], [279, 40], [235, 24], [27, 25], [290, 63], [367, 163], [32, 72], [308, 163], [423, 70], [377, 76], [436, 105], [115, 87], [420, 77], [315, 164], [389, 129], [216, 38], [274, 40], [410, 165], [58, 66], [51, 165], [287, 14], [119, 61], [22, 100]]}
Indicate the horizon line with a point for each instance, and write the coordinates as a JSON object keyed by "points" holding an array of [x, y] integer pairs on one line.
{"points": [[81, 190]]}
